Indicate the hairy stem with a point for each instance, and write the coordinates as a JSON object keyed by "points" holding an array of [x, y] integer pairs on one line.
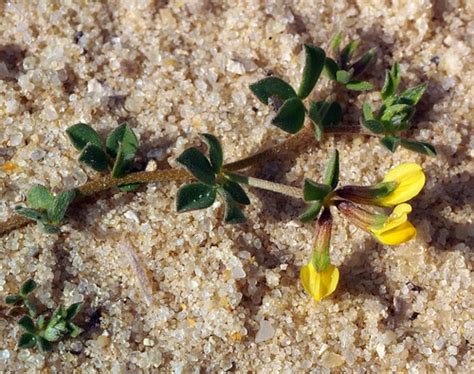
{"points": [[267, 185], [107, 182]]}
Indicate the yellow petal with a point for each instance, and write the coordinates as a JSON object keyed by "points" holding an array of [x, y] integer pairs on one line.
{"points": [[399, 215], [319, 285], [398, 235], [410, 180]]}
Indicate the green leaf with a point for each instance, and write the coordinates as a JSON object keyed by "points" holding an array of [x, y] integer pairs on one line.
{"points": [[80, 134], [55, 330], [272, 86], [343, 76], [331, 176], [28, 287], [315, 58], [311, 213], [94, 156], [236, 191], [419, 147], [316, 118], [198, 165], [74, 330], [58, 314], [31, 214], [336, 42], [367, 112], [30, 307], [413, 95], [363, 62], [290, 117], [216, 155], [233, 213], [27, 324], [392, 80], [39, 197], [122, 144], [375, 126], [359, 86], [397, 114], [315, 191], [123, 162], [129, 187], [44, 345], [41, 322], [72, 311], [346, 54], [331, 68], [49, 229], [328, 113], [60, 205], [13, 299], [27, 340], [122, 135], [333, 114], [324, 114], [390, 142], [195, 196]]}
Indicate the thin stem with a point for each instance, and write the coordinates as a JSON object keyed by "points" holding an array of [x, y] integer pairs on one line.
{"points": [[267, 185], [107, 182], [305, 135]]}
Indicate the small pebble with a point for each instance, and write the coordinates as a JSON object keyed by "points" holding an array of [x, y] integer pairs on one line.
{"points": [[265, 332], [103, 341], [37, 154]]}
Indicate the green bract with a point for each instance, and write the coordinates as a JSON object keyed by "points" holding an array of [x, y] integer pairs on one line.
{"points": [[212, 182], [395, 114], [118, 153], [46, 209], [342, 70], [316, 193]]}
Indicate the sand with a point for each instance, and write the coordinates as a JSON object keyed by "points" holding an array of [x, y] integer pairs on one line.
{"points": [[228, 298]]}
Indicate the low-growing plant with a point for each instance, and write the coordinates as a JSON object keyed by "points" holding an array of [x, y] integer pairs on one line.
{"points": [[40, 330], [208, 178]]}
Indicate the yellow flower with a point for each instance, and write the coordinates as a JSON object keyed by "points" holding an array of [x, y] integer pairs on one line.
{"points": [[410, 180], [319, 284], [396, 228]]}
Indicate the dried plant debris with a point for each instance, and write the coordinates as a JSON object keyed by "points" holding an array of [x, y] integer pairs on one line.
{"points": [[139, 271]]}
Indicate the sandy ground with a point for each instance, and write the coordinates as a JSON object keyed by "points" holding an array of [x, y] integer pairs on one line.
{"points": [[175, 69]]}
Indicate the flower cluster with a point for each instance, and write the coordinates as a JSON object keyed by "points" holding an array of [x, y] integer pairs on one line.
{"points": [[319, 276]]}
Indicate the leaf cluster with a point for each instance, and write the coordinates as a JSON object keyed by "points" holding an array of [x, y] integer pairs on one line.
{"points": [[117, 153], [44, 331], [395, 114], [316, 194], [343, 70], [21, 299], [46, 209], [41, 331], [213, 182], [291, 110]]}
